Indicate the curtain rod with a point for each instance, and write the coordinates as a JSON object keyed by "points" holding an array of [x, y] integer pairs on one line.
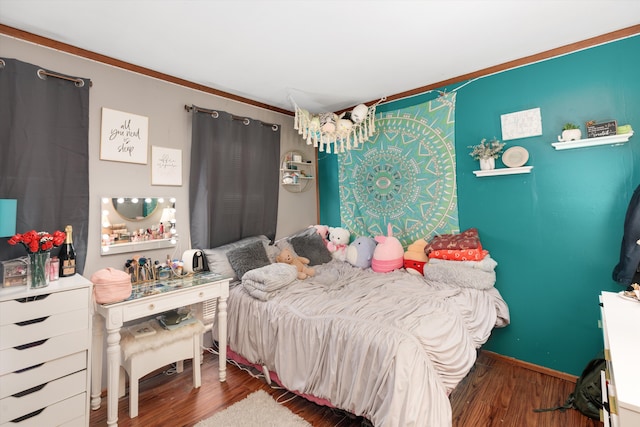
{"points": [[215, 115], [78, 81]]}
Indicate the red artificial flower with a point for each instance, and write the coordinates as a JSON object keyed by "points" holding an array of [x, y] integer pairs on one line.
{"points": [[35, 241]]}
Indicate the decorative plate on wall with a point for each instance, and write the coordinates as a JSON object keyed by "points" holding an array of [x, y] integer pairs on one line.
{"points": [[515, 157]]}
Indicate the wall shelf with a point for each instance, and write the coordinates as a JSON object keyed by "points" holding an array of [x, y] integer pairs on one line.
{"points": [[503, 171], [590, 142]]}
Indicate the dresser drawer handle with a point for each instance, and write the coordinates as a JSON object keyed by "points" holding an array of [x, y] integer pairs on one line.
{"points": [[32, 321], [31, 344], [201, 294], [152, 306], [33, 299], [26, 417], [19, 371], [29, 391]]}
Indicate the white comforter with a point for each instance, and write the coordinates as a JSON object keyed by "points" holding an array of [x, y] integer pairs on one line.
{"points": [[389, 347]]}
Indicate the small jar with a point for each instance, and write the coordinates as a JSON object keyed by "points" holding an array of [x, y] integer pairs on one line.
{"points": [[54, 268]]}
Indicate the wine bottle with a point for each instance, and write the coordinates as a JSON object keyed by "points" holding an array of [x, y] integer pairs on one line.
{"points": [[67, 255]]}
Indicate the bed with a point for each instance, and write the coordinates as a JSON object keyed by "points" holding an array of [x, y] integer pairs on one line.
{"points": [[386, 346]]}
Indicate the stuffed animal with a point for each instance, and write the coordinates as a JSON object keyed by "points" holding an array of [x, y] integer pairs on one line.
{"points": [[287, 257], [323, 231], [415, 258], [360, 252], [338, 242], [389, 254]]}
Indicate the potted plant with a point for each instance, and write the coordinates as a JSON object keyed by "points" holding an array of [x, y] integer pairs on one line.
{"points": [[487, 153], [570, 132]]}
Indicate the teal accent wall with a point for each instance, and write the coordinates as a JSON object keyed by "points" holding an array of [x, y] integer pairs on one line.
{"points": [[555, 232]]}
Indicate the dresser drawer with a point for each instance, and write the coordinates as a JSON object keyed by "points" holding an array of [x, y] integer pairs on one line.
{"points": [[68, 413], [13, 359], [15, 382], [42, 396], [17, 334], [24, 309]]}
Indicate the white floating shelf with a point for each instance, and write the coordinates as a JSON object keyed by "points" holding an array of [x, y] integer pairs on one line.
{"points": [[503, 171], [590, 142]]}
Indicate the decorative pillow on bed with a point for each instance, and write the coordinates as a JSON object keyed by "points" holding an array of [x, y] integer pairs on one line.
{"points": [[468, 239], [217, 257], [311, 246], [247, 258]]}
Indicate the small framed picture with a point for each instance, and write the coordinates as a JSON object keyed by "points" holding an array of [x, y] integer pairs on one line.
{"points": [[124, 137], [166, 166]]}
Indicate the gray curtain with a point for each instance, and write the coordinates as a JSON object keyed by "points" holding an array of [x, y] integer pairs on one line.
{"points": [[44, 130], [233, 185]]}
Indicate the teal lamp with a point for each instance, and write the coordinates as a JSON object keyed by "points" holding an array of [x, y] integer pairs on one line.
{"points": [[8, 210]]}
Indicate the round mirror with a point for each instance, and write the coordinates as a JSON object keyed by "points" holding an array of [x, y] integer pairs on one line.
{"points": [[134, 208]]}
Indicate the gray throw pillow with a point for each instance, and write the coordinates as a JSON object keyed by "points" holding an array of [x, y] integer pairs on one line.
{"points": [[247, 258], [311, 246]]}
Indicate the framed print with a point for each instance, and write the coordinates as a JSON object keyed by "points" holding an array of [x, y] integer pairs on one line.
{"points": [[124, 137], [521, 124], [166, 166]]}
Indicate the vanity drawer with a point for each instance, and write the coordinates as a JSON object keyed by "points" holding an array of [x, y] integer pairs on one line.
{"points": [[17, 334], [167, 302], [43, 396], [15, 382], [13, 359], [67, 413], [24, 309]]}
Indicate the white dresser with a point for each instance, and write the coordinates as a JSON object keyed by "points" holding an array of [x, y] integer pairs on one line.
{"points": [[620, 322], [45, 342]]}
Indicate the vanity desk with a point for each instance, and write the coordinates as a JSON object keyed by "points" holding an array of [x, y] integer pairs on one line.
{"points": [[148, 299]]}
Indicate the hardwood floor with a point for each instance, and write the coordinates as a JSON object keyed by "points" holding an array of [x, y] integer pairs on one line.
{"points": [[495, 393]]}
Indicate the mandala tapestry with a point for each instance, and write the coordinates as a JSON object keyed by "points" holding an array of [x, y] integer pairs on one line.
{"points": [[404, 175]]}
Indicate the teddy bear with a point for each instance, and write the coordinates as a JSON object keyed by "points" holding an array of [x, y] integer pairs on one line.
{"points": [[287, 257], [338, 242]]}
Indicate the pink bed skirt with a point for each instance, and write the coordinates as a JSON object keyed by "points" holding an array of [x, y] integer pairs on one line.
{"points": [[274, 377]]}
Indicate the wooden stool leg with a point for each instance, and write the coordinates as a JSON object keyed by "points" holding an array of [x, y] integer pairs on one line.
{"points": [[196, 361], [134, 380]]}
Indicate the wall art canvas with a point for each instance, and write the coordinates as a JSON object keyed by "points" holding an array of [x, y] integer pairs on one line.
{"points": [[521, 124], [404, 175], [124, 137], [166, 166]]}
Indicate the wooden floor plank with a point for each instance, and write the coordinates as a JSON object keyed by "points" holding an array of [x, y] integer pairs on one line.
{"points": [[495, 393]]}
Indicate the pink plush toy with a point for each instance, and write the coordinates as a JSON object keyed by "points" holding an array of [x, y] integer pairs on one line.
{"points": [[323, 231], [388, 255]]}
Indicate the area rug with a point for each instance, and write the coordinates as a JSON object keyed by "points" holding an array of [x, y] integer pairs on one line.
{"points": [[256, 410]]}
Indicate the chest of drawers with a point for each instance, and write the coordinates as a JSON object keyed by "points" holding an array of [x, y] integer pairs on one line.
{"points": [[620, 320], [45, 338]]}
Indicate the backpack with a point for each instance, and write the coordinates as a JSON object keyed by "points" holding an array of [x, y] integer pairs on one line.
{"points": [[587, 395]]}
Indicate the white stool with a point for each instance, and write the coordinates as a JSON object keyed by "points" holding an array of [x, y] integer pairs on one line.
{"points": [[144, 354]]}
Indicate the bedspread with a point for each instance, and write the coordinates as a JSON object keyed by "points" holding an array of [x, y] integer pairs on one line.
{"points": [[389, 347]]}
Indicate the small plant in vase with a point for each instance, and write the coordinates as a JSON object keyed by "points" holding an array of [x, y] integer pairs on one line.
{"points": [[487, 153], [570, 132]]}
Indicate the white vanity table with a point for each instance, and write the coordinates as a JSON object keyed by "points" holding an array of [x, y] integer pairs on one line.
{"points": [[45, 337], [170, 294]]}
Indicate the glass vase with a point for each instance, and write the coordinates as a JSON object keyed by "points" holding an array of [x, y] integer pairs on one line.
{"points": [[39, 263]]}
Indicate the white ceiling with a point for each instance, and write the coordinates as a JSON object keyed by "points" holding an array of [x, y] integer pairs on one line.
{"points": [[327, 55]]}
